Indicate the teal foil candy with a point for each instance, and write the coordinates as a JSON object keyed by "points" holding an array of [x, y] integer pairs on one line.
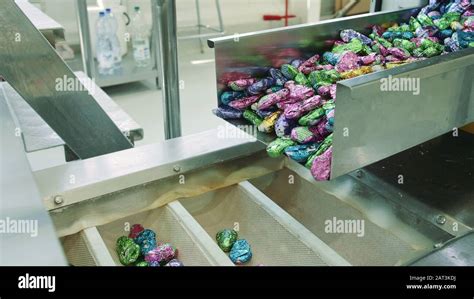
{"points": [[277, 147], [241, 252], [300, 153], [289, 71], [229, 96], [226, 238]]}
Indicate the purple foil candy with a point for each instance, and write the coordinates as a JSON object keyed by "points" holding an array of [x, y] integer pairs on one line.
{"points": [[283, 126], [271, 99], [324, 67], [348, 34], [242, 104], [347, 61], [321, 168], [226, 112], [260, 86], [296, 110], [241, 84]]}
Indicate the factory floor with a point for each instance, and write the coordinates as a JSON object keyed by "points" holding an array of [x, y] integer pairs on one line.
{"points": [[143, 101]]}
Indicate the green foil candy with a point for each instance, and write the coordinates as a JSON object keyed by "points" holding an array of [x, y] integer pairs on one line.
{"points": [[128, 252], [226, 238], [312, 117], [404, 44], [252, 117], [355, 45], [141, 264], [289, 71], [329, 105], [301, 79], [323, 78], [277, 147]]}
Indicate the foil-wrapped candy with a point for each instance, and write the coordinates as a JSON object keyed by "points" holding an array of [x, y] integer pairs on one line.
{"points": [[161, 254], [302, 135], [226, 112], [348, 35], [328, 91], [226, 238], [241, 84], [283, 126], [301, 79], [241, 252], [324, 77], [301, 152], [355, 45], [276, 74], [309, 65], [404, 44], [252, 117], [312, 117], [268, 124], [289, 71], [321, 167], [243, 103], [331, 58], [127, 250], [347, 61], [135, 230], [321, 149], [261, 86], [229, 96], [271, 99], [296, 110], [400, 53], [357, 72], [298, 92], [277, 147], [146, 240]]}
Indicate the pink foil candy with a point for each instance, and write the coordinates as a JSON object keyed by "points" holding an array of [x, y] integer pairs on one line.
{"points": [[399, 53], [369, 59], [321, 168], [243, 103], [298, 92], [296, 110], [328, 91], [271, 99], [309, 65], [347, 61]]}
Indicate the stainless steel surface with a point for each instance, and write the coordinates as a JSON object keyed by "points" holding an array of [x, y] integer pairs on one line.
{"points": [[38, 135], [32, 67], [51, 29], [438, 174], [370, 124], [458, 252], [85, 38], [170, 78], [20, 200], [110, 173]]}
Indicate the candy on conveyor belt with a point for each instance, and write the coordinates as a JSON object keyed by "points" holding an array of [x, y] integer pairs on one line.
{"points": [[295, 99], [141, 249], [226, 238], [241, 252]]}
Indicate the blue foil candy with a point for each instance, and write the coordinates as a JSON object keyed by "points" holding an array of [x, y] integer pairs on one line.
{"points": [[331, 58], [261, 86], [300, 153], [226, 112], [146, 240], [280, 80], [241, 252]]}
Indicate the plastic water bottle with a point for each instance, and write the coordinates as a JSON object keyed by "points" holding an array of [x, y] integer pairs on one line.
{"points": [[112, 28], [104, 48], [140, 39]]}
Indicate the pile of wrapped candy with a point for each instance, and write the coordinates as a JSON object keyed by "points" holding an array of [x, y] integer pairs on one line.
{"points": [[296, 101], [141, 249], [239, 249]]}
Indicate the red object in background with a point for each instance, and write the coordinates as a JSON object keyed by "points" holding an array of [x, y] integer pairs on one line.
{"points": [[286, 16]]}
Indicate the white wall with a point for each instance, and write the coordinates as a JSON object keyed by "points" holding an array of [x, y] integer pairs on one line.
{"points": [[236, 13]]}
